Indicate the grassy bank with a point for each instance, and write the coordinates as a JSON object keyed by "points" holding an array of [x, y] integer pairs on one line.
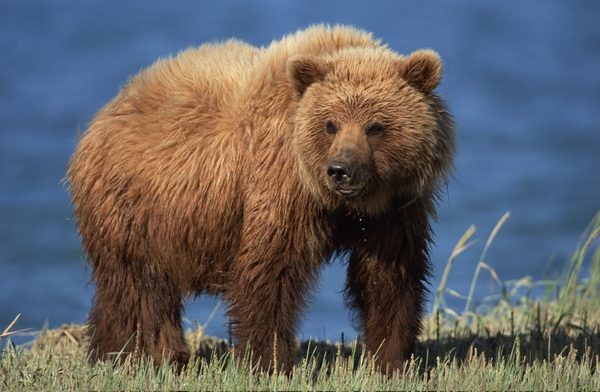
{"points": [[511, 341]]}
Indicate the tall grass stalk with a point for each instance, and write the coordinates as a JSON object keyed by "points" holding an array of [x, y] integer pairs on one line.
{"points": [[460, 247], [578, 258], [482, 264]]}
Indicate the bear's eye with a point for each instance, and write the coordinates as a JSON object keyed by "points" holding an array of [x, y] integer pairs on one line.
{"points": [[330, 127], [374, 129]]}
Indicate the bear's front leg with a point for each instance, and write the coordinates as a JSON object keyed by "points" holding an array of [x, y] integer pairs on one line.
{"points": [[385, 285], [272, 273]]}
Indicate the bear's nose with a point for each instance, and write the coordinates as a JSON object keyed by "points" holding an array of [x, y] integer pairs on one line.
{"points": [[339, 173]]}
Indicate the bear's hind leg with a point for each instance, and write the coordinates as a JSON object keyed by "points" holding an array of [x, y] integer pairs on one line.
{"points": [[136, 310]]}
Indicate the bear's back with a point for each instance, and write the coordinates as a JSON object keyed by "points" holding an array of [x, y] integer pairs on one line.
{"points": [[204, 79]]}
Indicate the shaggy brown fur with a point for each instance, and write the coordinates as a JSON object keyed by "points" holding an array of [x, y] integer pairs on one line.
{"points": [[240, 170]]}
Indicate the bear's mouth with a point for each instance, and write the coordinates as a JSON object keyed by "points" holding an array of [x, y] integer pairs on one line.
{"points": [[348, 192]]}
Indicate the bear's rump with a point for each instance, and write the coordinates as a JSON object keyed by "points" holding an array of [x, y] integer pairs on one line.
{"points": [[147, 190]]}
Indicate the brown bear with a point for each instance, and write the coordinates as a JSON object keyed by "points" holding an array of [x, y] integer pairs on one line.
{"points": [[240, 170]]}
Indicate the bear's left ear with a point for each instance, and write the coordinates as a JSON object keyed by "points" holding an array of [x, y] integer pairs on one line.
{"points": [[304, 71], [422, 70]]}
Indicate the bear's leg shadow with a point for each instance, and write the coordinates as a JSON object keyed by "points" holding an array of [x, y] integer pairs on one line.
{"points": [[137, 310]]}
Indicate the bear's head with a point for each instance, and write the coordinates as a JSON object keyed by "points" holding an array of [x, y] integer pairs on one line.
{"points": [[368, 127]]}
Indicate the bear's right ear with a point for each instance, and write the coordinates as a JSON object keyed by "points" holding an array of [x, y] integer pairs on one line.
{"points": [[304, 71], [423, 70]]}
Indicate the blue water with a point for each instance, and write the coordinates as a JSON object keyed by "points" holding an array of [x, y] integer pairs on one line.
{"points": [[522, 79]]}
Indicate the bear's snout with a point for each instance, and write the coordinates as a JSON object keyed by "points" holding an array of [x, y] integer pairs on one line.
{"points": [[340, 173], [346, 175]]}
